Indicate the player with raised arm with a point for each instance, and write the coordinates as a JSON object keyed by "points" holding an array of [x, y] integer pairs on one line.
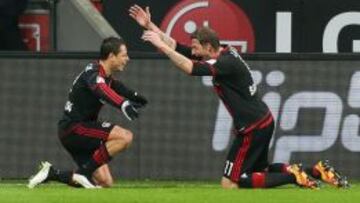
{"points": [[90, 142], [247, 164]]}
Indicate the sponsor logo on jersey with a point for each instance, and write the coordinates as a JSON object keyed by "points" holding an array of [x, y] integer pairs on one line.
{"points": [[211, 61], [89, 67], [68, 106], [244, 175], [105, 124], [100, 79]]}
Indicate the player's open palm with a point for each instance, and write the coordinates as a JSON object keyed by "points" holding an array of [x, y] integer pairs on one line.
{"points": [[143, 18]]}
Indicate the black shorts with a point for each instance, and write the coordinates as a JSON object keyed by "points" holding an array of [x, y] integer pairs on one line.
{"points": [[249, 150], [82, 139]]}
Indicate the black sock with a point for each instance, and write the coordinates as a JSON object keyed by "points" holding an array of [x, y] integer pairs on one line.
{"points": [[277, 179], [266, 180], [88, 168], [100, 156], [60, 176], [277, 168]]}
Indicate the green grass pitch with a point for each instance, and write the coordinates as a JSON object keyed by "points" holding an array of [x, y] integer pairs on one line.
{"points": [[172, 192]]}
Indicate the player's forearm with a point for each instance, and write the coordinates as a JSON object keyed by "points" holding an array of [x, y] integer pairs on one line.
{"points": [[180, 61], [151, 26], [167, 39], [125, 92], [121, 89], [107, 94]]}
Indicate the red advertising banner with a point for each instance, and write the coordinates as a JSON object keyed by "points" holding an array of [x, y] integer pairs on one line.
{"points": [[253, 26], [34, 26]]}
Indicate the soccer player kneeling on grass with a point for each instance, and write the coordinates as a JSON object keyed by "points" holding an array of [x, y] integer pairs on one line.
{"points": [[247, 162], [92, 143]]}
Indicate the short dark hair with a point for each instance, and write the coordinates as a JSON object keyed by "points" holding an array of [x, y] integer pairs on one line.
{"points": [[110, 45], [206, 35]]}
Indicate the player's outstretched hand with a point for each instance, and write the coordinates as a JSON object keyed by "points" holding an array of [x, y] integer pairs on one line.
{"points": [[143, 18], [153, 38], [129, 109]]}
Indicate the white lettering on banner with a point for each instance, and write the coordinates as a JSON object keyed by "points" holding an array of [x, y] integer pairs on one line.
{"points": [[335, 26], [288, 144], [350, 138], [354, 91], [356, 46], [222, 130], [283, 32], [273, 99], [330, 36]]}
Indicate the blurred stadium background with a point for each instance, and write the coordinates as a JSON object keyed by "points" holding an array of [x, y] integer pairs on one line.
{"points": [[304, 59]]}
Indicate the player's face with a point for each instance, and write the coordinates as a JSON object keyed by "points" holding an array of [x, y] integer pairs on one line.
{"points": [[199, 50], [121, 59]]}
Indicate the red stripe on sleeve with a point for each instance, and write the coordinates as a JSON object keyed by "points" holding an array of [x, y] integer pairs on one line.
{"points": [[111, 94]]}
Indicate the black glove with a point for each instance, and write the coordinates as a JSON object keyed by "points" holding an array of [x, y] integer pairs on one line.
{"points": [[140, 100], [129, 109]]}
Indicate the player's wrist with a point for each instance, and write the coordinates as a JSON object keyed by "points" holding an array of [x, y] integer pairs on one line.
{"points": [[154, 27], [147, 25], [150, 26]]}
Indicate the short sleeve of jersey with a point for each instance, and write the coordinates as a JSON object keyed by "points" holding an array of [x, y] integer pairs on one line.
{"points": [[91, 77], [213, 67]]}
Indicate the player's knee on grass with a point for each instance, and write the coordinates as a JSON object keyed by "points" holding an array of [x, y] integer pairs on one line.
{"points": [[228, 184], [103, 177], [104, 181]]}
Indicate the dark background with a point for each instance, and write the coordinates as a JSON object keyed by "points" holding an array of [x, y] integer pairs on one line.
{"points": [[309, 21]]}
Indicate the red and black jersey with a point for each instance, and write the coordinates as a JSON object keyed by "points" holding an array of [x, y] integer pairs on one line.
{"points": [[90, 90], [234, 85]]}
